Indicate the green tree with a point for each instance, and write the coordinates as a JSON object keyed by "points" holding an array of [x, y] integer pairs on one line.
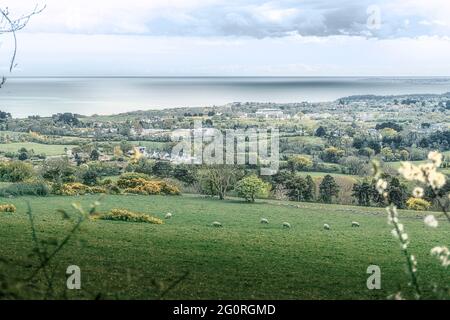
{"points": [[90, 177], [397, 193], [327, 189], [94, 155], [297, 187], [362, 192], [310, 192], [250, 187]]}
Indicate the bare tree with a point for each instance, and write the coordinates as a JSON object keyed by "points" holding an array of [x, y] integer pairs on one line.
{"points": [[10, 24]]}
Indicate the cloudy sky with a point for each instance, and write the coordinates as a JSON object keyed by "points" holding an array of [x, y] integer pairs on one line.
{"points": [[233, 37]]}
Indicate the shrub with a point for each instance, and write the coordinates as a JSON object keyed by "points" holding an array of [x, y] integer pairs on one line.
{"points": [[76, 189], [169, 189], [7, 208], [130, 179], [15, 171], [128, 216], [73, 189], [26, 189], [418, 204], [97, 189], [139, 183], [251, 187]]}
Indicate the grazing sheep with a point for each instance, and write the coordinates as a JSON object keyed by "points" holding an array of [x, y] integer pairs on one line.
{"points": [[264, 221], [217, 224], [286, 225], [326, 226], [355, 224], [168, 215]]}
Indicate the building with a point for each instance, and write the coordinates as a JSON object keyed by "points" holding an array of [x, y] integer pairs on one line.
{"points": [[270, 113]]}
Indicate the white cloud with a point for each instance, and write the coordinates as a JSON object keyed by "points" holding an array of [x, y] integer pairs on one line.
{"points": [[256, 18]]}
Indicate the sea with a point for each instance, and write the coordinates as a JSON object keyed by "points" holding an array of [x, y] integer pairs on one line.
{"points": [[42, 96]]}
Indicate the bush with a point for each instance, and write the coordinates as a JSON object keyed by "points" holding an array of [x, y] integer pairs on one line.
{"points": [[139, 183], [128, 216], [129, 179], [418, 204], [7, 208], [26, 189], [77, 189], [15, 171], [73, 189]]}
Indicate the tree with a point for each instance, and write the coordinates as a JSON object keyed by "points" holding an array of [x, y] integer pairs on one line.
{"points": [[185, 174], [310, 192], [94, 155], [397, 193], [23, 156], [162, 169], [58, 170], [362, 192], [332, 154], [217, 179], [90, 177], [4, 116], [299, 163], [250, 187], [327, 189], [297, 187], [10, 24], [321, 132]]}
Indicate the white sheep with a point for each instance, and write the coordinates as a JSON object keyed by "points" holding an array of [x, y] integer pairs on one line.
{"points": [[355, 224], [217, 224], [168, 215], [264, 221], [286, 225], [326, 226]]}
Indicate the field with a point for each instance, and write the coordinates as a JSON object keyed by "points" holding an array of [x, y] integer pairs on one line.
{"points": [[47, 149], [242, 260]]}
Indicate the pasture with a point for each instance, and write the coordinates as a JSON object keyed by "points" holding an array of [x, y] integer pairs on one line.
{"points": [[242, 260], [47, 149]]}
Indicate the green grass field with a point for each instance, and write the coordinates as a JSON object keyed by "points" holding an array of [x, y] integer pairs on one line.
{"points": [[48, 149], [242, 260]]}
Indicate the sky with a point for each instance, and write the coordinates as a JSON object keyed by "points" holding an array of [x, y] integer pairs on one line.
{"points": [[231, 38]]}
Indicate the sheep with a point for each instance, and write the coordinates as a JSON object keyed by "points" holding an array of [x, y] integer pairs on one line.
{"points": [[217, 224], [286, 225], [168, 215], [326, 226], [264, 221], [355, 224]]}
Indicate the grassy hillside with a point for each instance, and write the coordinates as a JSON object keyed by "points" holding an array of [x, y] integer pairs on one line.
{"points": [[242, 260]]}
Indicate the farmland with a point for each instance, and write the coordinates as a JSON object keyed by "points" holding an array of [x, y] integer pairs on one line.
{"points": [[242, 260]]}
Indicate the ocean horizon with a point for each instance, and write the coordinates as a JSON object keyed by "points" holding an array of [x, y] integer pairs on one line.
{"points": [[44, 96]]}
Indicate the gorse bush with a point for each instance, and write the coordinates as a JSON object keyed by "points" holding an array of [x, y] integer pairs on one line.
{"points": [[139, 183], [26, 189], [418, 204], [128, 216], [76, 189], [7, 208], [130, 179]]}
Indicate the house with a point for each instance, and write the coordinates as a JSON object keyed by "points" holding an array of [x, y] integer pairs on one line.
{"points": [[270, 113]]}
